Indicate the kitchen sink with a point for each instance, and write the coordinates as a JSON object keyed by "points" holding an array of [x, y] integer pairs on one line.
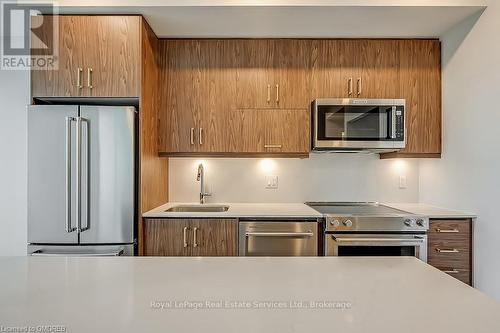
{"points": [[198, 209]]}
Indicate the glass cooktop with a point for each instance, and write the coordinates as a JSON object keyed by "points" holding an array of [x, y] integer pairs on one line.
{"points": [[354, 208]]}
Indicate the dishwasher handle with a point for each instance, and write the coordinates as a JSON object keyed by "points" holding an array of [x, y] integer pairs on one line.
{"points": [[280, 234]]}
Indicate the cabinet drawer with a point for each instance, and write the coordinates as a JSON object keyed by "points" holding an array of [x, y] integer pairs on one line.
{"points": [[446, 253], [450, 228], [463, 275]]}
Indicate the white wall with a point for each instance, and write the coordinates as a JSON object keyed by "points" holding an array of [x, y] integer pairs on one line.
{"points": [[468, 175], [14, 96], [334, 177]]}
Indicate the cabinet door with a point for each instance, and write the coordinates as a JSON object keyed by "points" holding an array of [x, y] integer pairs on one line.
{"points": [[292, 84], [274, 131], [180, 107], [255, 74], [214, 237], [325, 73], [62, 82], [112, 53], [215, 132], [377, 69], [420, 85], [168, 237]]}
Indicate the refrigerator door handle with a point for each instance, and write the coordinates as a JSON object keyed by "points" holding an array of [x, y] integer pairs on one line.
{"points": [[69, 227], [87, 161], [41, 253]]}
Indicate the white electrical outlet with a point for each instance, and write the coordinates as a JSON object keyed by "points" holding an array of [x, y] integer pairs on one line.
{"points": [[402, 182], [271, 182]]}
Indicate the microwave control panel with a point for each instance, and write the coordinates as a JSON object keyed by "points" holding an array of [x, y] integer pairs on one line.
{"points": [[400, 125]]}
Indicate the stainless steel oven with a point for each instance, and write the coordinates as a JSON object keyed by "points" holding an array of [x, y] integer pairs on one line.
{"points": [[278, 238], [344, 124], [414, 245], [371, 229]]}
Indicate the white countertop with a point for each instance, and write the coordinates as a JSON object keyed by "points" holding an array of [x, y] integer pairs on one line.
{"points": [[299, 210], [276, 210], [126, 294], [430, 211]]}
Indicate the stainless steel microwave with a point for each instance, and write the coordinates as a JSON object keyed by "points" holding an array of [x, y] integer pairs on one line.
{"points": [[351, 125]]}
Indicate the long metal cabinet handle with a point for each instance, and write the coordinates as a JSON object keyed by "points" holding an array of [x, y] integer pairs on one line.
{"points": [[447, 231], [87, 222], [452, 271], [90, 78], [349, 86], [360, 82], [69, 227], [195, 234], [201, 136], [277, 93], [447, 250], [192, 136], [184, 235], [78, 173], [79, 83], [268, 93], [273, 146], [354, 239], [280, 234]]}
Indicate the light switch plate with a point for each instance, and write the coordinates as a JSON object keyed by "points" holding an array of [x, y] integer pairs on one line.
{"points": [[271, 182], [402, 182]]}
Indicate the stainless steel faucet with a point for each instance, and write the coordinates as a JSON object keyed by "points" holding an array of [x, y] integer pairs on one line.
{"points": [[201, 178]]}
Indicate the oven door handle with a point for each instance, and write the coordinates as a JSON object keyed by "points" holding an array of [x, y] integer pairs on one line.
{"points": [[279, 234], [381, 240]]}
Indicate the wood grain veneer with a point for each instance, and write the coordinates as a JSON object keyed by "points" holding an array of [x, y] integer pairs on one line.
{"points": [[153, 170], [457, 264]]}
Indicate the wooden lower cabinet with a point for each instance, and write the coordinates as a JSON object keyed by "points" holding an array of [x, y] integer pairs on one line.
{"points": [[190, 237], [450, 247]]}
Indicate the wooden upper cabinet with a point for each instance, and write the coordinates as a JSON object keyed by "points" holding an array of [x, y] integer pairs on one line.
{"points": [[325, 72], [67, 79], [112, 56], [377, 69], [99, 56], [420, 84], [269, 131], [180, 102], [369, 68], [255, 73], [292, 83], [273, 73]]}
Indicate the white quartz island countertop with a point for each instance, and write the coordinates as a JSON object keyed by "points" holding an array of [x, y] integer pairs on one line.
{"points": [[239, 294], [254, 210]]}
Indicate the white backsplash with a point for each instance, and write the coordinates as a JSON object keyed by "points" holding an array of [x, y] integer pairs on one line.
{"points": [[322, 177]]}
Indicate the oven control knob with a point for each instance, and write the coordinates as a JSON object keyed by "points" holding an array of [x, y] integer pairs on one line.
{"points": [[408, 222], [335, 223], [348, 223], [421, 223]]}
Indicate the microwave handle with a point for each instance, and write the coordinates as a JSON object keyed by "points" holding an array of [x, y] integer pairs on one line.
{"points": [[393, 123]]}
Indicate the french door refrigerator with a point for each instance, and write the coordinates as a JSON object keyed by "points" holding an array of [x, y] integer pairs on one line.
{"points": [[81, 180]]}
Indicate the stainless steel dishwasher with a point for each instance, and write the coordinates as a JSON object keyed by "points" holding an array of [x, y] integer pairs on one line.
{"points": [[278, 238]]}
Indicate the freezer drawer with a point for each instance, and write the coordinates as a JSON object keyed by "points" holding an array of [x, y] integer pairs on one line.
{"points": [[283, 238]]}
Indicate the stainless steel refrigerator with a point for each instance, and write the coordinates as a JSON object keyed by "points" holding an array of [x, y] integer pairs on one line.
{"points": [[81, 180]]}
